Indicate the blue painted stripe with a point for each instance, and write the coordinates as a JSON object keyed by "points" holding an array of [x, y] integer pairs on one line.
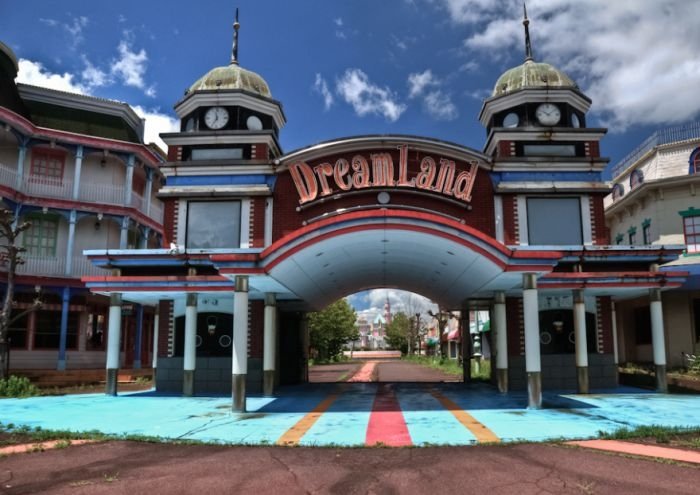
{"points": [[221, 180], [531, 176]]}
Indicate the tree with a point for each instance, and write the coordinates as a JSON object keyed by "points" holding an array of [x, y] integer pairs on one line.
{"points": [[398, 332], [11, 258], [331, 328]]}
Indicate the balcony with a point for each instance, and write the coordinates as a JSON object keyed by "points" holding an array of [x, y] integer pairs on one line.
{"points": [[89, 191], [56, 267]]}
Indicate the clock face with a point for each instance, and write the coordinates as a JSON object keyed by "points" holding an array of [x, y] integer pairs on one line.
{"points": [[253, 123], [511, 120], [575, 121], [216, 117], [548, 114]]}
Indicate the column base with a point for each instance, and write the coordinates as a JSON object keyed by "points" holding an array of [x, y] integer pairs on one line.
{"points": [[111, 383], [268, 383], [188, 383], [502, 378], [661, 382], [238, 389], [582, 376], [534, 390], [61, 366]]}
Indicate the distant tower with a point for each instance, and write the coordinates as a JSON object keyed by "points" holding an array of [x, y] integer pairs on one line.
{"points": [[387, 312]]}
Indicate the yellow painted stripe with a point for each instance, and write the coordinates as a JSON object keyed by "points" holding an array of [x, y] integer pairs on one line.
{"points": [[482, 434], [294, 434]]}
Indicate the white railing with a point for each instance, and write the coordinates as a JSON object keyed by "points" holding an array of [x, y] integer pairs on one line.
{"points": [[8, 175], [47, 187], [101, 193], [56, 267], [89, 191]]}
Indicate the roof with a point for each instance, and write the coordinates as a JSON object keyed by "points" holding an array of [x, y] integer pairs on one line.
{"points": [[232, 76], [532, 75]]}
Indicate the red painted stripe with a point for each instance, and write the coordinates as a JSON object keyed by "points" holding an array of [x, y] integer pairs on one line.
{"points": [[387, 425]]}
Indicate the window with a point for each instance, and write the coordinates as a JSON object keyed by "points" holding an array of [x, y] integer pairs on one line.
{"points": [[18, 331], [618, 191], [554, 221], [694, 162], [40, 238], [632, 235], [642, 326], [636, 179], [549, 150], [213, 224], [691, 229], [48, 165], [95, 340], [48, 330], [646, 231]]}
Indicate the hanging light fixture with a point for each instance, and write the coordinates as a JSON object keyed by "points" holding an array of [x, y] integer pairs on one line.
{"points": [[211, 324]]}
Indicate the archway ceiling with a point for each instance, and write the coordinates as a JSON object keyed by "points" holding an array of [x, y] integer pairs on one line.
{"points": [[441, 269]]}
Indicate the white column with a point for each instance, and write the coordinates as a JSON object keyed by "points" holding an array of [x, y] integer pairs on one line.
{"points": [[239, 368], [114, 330], [270, 344], [148, 192], [500, 329], [190, 354], [658, 340], [76, 175], [129, 180], [581, 342], [531, 320], [613, 310], [71, 242], [124, 233], [156, 327]]}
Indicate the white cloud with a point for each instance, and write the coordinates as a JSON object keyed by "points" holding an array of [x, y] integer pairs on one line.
{"points": [[439, 106], [94, 77], [130, 67], [49, 22], [321, 87], [401, 301], [75, 29], [418, 81], [338, 21], [637, 60], [36, 74], [367, 98], [156, 123]]}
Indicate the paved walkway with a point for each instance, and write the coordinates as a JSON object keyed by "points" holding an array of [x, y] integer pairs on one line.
{"points": [[357, 414]]}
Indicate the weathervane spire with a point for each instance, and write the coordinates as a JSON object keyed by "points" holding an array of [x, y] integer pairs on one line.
{"points": [[526, 23], [234, 50]]}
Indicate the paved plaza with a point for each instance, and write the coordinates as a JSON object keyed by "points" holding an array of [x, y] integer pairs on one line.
{"points": [[359, 414]]}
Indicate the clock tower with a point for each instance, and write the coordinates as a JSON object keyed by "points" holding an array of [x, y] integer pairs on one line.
{"points": [[541, 146]]}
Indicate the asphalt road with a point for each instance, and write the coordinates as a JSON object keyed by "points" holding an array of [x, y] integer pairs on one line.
{"points": [[140, 468]]}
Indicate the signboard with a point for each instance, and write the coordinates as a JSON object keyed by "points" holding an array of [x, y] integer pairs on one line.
{"points": [[377, 170]]}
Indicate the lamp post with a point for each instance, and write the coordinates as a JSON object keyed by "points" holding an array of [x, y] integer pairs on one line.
{"points": [[418, 332]]}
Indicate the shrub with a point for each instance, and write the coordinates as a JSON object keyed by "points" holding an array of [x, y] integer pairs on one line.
{"points": [[17, 386]]}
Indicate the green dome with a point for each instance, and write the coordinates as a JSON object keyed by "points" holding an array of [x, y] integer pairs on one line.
{"points": [[232, 76], [532, 75]]}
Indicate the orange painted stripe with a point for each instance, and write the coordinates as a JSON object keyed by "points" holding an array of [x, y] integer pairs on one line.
{"points": [[481, 432], [293, 435], [640, 449]]}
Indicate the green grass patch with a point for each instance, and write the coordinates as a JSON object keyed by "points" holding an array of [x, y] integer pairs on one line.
{"points": [[480, 371], [17, 386], [662, 434]]}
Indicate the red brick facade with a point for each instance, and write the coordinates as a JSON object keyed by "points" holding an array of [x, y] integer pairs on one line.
{"points": [[256, 310], [514, 323], [257, 222]]}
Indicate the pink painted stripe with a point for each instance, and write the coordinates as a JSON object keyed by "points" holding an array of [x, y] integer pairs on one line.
{"points": [[387, 425], [365, 373], [641, 449]]}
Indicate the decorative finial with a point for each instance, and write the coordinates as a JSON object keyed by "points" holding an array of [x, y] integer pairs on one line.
{"points": [[526, 23], [234, 51]]}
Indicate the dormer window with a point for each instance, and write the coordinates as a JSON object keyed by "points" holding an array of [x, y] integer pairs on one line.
{"points": [[636, 179], [618, 191], [694, 162]]}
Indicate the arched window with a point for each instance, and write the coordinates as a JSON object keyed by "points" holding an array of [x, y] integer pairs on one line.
{"points": [[618, 191], [636, 179], [694, 162]]}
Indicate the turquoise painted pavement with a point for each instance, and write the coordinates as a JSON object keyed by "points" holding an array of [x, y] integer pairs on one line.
{"points": [[345, 421]]}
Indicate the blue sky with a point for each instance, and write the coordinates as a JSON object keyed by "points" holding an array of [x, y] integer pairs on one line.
{"points": [[348, 67]]}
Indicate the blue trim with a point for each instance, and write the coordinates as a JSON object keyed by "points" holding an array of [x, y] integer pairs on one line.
{"points": [[139, 333], [221, 180], [498, 177], [65, 308]]}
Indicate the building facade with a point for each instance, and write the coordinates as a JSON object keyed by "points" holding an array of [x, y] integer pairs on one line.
{"points": [[76, 168], [654, 202], [258, 237]]}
